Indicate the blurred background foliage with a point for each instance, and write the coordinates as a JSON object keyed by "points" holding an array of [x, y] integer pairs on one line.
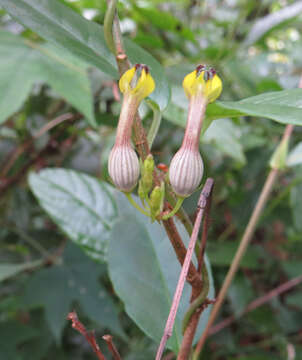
{"points": [[256, 47]]}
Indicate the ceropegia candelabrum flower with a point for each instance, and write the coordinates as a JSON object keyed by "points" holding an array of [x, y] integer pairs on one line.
{"points": [[123, 164], [201, 86]]}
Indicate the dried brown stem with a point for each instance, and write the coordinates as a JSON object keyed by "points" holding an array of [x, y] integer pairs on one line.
{"points": [[257, 303], [193, 278], [190, 330], [89, 335], [185, 271], [111, 347]]}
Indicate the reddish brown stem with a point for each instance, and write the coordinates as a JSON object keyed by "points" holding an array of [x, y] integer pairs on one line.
{"points": [[205, 202], [111, 347], [193, 278], [89, 335], [187, 265]]}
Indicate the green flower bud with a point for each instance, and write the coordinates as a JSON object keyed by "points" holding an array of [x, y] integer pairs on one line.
{"points": [[146, 182], [157, 200]]}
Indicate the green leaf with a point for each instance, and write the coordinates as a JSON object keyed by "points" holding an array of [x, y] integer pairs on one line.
{"points": [[296, 206], [76, 279], [45, 63], [144, 272], [9, 270], [226, 137], [80, 205], [284, 106], [62, 26], [222, 254], [295, 156]]}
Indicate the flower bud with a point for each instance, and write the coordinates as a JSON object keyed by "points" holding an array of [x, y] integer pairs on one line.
{"points": [[157, 200], [202, 86], [123, 167], [205, 81], [123, 164], [137, 81], [146, 182], [186, 170]]}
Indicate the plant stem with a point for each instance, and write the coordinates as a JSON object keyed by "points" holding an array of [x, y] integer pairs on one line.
{"points": [[108, 23], [175, 209], [199, 301], [133, 202], [155, 124], [182, 278], [112, 348]]}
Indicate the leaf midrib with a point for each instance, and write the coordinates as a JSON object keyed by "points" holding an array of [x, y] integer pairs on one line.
{"points": [[90, 210]]}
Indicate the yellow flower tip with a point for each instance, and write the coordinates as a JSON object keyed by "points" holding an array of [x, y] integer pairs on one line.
{"points": [[126, 79], [137, 81], [205, 81]]}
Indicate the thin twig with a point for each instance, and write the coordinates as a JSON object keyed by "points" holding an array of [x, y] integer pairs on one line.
{"points": [[198, 302], [246, 238], [111, 347], [5, 183], [257, 303], [89, 335], [184, 272], [23, 147], [51, 124]]}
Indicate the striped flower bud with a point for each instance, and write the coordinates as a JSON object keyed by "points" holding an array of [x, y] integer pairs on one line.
{"points": [[123, 167], [202, 86], [186, 170], [123, 164]]}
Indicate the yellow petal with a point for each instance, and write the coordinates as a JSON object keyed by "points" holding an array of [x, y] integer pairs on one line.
{"points": [[213, 88], [125, 80], [145, 85], [194, 84]]}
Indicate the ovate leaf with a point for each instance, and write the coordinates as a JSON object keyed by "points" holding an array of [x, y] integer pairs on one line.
{"points": [[144, 271], [80, 205], [282, 106], [63, 27]]}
